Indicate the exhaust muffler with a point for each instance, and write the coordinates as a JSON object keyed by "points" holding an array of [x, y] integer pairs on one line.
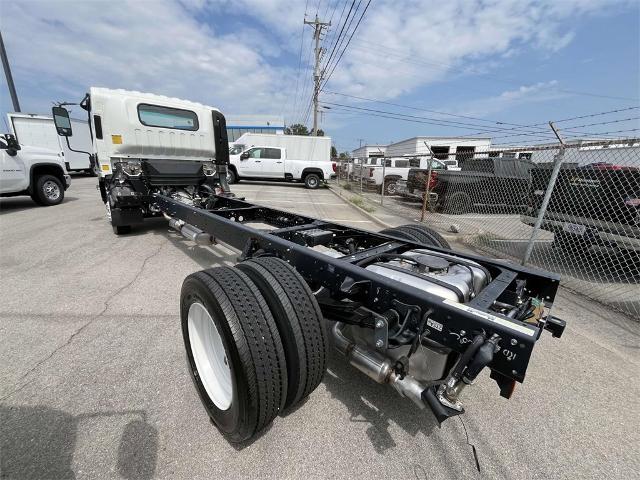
{"points": [[192, 233], [377, 367]]}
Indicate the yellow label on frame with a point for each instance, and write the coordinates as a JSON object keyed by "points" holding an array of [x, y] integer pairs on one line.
{"points": [[116, 139]]}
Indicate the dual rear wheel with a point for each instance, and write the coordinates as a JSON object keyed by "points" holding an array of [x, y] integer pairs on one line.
{"points": [[256, 342]]}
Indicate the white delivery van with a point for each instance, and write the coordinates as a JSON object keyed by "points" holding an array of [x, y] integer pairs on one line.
{"points": [[39, 131], [281, 157]]}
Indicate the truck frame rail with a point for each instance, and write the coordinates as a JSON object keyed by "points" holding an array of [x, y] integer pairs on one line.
{"points": [[293, 236]]}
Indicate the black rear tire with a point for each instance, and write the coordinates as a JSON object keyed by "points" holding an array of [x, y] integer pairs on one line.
{"points": [[121, 229], [418, 233], [390, 187], [48, 191], [428, 235], [299, 320], [252, 345], [312, 181], [457, 203], [232, 177]]}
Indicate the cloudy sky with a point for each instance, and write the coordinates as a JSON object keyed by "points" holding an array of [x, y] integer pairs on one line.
{"points": [[513, 61]]}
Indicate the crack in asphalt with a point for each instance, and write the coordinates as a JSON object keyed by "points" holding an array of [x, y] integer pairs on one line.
{"points": [[84, 326]]}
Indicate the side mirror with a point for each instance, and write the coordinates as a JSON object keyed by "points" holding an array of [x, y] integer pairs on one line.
{"points": [[244, 156], [61, 121], [12, 145]]}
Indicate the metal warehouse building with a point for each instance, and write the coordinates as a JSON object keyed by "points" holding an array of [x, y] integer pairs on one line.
{"points": [[237, 125], [366, 151], [452, 148]]}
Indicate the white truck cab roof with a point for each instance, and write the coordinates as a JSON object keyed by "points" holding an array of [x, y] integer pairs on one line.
{"points": [[129, 124]]}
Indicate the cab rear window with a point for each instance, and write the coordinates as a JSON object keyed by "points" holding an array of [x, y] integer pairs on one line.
{"points": [[165, 117]]}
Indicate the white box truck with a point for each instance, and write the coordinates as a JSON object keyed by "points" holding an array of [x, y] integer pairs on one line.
{"points": [[39, 131], [281, 157]]}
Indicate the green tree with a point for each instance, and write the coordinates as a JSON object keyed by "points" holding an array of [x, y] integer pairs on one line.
{"points": [[296, 129], [334, 152], [299, 129], [345, 155]]}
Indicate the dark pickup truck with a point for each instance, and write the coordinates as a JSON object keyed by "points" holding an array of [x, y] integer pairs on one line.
{"points": [[482, 182], [596, 204]]}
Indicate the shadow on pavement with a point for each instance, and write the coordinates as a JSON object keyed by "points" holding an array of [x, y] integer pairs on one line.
{"points": [[375, 404], [17, 204], [39, 442]]}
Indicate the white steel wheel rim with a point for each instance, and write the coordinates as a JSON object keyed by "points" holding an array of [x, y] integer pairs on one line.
{"points": [[210, 356], [312, 181]]}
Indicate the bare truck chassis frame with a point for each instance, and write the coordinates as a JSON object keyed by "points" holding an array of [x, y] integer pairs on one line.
{"points": [[447, 324]]}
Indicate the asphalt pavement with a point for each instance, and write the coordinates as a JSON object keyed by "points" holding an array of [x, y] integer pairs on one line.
{"points": [[94, 384]]}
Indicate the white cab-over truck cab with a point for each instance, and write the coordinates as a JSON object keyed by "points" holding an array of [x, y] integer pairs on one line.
{"points": [[37, 172], [281, 157], [145, 144]]}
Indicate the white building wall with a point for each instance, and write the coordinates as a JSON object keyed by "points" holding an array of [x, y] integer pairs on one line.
{"points": [[367, 151], [416, 145]]}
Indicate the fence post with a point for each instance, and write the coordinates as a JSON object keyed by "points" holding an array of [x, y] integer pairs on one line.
{"points": [[384, 164], [426, 186], [361, 174], [557, 163]]}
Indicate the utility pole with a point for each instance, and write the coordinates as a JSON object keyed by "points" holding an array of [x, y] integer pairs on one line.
{"points": [[317, 74], [7, 73]]}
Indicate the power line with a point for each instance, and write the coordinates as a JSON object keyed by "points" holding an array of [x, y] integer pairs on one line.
{"points": [[295, 97], [338, 40], [487, 75], [497, 122], [468, 117], [595, 114], [437, 122], [347, 45], [543, 136]]}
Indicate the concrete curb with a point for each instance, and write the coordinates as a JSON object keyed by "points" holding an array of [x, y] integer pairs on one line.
{"points": [[370, 216]]}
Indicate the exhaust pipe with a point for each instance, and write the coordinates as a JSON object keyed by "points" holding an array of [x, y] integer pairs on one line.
{"points": [[377, 367], [190, 232]]}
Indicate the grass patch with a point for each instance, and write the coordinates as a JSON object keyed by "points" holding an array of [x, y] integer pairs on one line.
{"points": [[359, 202]]}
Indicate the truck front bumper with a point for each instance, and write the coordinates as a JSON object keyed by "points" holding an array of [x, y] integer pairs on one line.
{"points": [[600, 232]]}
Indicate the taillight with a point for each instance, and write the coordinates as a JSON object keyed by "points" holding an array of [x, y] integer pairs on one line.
{"points": [[334, 166], [371, 172], [433, 181]]}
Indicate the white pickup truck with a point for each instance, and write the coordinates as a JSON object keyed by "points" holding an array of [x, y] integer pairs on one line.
{"points": [[281, 157], [396, 169], [271, 163], [34, 171]]}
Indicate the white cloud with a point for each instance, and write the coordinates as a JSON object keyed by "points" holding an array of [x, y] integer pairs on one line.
{"points": [[182, 48], [525, 94], [403, 45], [64, 47]]}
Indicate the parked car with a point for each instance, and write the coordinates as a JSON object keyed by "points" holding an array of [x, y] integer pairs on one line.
{"points": [[596, 204], [482, 182], [37, 172], [281, 157]]}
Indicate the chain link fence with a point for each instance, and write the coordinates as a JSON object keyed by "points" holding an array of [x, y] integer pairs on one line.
{"points": [[573, 209]]}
